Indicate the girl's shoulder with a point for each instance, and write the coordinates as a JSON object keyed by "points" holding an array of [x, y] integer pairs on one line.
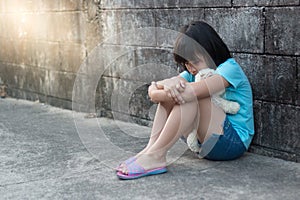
{"points": [[230, 65], [229, 62]]}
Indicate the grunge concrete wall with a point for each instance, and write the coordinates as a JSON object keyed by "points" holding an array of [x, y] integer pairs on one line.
{"points": [[42, 45], [39, 60]]}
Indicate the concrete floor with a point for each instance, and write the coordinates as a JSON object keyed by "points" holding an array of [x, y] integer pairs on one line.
{"points": [[51, 153]]}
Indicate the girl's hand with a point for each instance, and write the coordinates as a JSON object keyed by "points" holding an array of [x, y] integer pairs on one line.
{"points": [[157, 94], [187, 96], [151, 92], [151, 88], [203, 88], [173, 87]]}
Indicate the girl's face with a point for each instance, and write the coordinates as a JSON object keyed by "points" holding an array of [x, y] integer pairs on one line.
{"points": [[195, 67]]}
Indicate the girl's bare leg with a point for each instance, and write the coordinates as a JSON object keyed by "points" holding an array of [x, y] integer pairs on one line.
{"points": [[162, 113], [179, 122], [210, 120]]}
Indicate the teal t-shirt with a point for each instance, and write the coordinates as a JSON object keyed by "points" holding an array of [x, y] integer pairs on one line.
{"points": [[239, 91]]}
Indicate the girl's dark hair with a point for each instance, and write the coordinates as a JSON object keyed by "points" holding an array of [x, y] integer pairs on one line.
{"points": [[199, 37]]}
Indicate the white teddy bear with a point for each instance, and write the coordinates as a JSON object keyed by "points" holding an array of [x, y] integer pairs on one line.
{"points": [[228, 107]]}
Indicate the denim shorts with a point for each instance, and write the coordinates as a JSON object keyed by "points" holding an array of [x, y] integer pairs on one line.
{"points": [[228, 146]]}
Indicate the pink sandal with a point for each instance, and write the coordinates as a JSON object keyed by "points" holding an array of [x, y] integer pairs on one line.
{"points": [[136, 171], [126, 162]]}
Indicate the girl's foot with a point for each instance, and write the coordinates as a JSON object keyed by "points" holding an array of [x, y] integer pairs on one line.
{"points": [[147, 161], [131, 159], [125, 163]]}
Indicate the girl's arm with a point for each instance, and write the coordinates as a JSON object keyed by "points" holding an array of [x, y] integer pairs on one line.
{"points": [[167, 89], [173, 87], [158, 94], [202, 89]]}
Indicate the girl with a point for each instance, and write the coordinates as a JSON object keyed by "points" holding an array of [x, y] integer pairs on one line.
{"points": [[184, 105]]}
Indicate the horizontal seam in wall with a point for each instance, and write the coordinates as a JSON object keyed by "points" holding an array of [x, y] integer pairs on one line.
{"points": [[37, 67], [266, 54], [268, 6], [205, 7], [41, 12], [34, 40], [276, 150], [159, 8], [276, 102], [40, 94], [138, 117]]}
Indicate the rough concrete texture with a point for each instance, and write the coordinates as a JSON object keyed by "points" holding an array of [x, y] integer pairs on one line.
{"points": [[45, 156], [281, 31], [265, 2]]}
